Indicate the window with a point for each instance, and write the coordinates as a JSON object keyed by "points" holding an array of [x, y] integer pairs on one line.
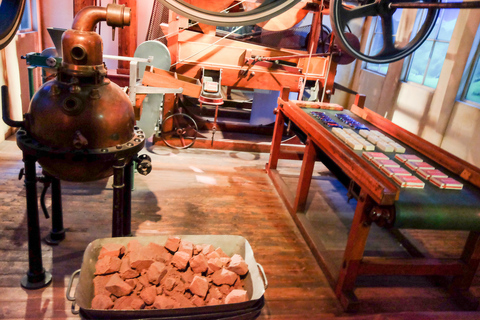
{"points": [[376, 41], [426, 62], [473, 87], [26, 24], [470, 92]]}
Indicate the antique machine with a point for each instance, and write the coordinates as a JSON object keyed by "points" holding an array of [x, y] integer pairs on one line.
{"points": [[414, 201], [80, 127]]}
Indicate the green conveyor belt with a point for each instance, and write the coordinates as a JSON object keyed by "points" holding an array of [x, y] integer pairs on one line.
{"points": [[431, 207]]}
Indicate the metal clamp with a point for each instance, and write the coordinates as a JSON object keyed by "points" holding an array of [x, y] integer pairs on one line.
{"points": [[265, 281]]}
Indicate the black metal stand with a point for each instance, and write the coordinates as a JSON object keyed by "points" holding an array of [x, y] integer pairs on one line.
{"points": [[121, 157], [36, 277], [57, 234], [127, 200], [118, 198]]}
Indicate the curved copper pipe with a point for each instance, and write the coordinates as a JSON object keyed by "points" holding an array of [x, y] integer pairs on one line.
{"points": [[88, 17], [115, 15]]}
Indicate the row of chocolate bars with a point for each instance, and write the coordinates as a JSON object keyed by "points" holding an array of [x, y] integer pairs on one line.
{"points": [[368, 140], [404, 178]]}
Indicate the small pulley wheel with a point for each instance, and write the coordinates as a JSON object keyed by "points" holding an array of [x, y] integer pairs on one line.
{"points": [[144, 164], [342, 13], [179, 131], [11, 13]]}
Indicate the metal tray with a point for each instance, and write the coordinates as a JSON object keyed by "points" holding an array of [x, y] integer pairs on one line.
{"points": [[255, 283]]}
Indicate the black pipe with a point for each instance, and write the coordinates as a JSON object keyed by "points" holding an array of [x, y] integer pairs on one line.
{"points": [[57, 234], [118, 198], [6, 111], [36, 276], [127, 200]]}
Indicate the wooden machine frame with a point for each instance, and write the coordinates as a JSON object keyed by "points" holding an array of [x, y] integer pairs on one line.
{"points": [[375, 196]]}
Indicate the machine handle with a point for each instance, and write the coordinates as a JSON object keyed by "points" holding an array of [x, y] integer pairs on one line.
{"points": [[6, 110], [69, 287], [265, 281], [74, 311]]}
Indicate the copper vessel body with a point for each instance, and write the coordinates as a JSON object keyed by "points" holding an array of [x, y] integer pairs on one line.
{"points": [[81, 110]]}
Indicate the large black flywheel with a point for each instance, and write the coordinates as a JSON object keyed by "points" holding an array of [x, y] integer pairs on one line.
{"points": [[11, 12]]}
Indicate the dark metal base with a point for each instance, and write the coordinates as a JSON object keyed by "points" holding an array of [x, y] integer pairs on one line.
{"points": [[31, 284], [54, 238]]}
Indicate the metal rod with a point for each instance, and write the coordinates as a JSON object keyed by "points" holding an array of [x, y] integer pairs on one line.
{"points": [[36, 276], [6, 110], [31, 83], [127, 200], [57, 233], [443, 5], [118, 197], [148, 60], [208, 47], [295, 56]]}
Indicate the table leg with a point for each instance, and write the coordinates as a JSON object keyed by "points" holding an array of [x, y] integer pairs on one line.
{"points": [[276, 141], [460, 285], [305, 178], [353, 255]]}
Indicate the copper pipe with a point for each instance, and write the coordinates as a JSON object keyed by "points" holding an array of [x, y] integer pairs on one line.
{"points": [[115, 15]]}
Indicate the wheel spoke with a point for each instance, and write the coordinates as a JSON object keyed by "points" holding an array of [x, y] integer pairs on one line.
{"points": [[341, 14], [169, 133], [190, 132], [387, 30]]}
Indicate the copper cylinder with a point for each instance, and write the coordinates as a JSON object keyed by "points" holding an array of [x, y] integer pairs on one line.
{"points": [[81, 110]]}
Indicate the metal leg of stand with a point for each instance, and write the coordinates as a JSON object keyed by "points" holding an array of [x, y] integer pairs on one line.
{"points": [[36, 277], [127, 200], [118, 198], [57, 234]]}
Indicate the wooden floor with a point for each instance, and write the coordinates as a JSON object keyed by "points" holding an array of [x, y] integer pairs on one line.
{"points": [[199, 191]]}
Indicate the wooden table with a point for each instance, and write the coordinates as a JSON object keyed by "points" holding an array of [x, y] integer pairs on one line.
{"points": [[382, 201]]}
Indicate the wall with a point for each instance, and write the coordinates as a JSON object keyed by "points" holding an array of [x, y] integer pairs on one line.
{"points": [[462, 135], [11, 77]]}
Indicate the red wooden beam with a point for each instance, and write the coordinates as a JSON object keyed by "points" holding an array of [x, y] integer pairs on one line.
{"points": [[127, 37], [80, 4]]}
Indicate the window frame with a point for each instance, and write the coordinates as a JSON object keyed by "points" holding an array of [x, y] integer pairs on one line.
{"points": [[371, 36], [472, 61], [29, 11], [409, 60]]}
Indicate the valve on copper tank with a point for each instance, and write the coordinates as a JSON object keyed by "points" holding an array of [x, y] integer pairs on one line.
{"points": [[144, 164]]}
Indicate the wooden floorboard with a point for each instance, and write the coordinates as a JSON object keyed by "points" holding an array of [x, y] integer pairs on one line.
{"points": [[199, 191]]}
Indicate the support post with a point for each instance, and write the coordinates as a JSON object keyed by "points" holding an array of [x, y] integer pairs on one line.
{"points": [[127, 37], [460, 285], [277, 133], [305, 178], [118, 198], [352, 258], [36, 277], [127, 200], [57, 234]]}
